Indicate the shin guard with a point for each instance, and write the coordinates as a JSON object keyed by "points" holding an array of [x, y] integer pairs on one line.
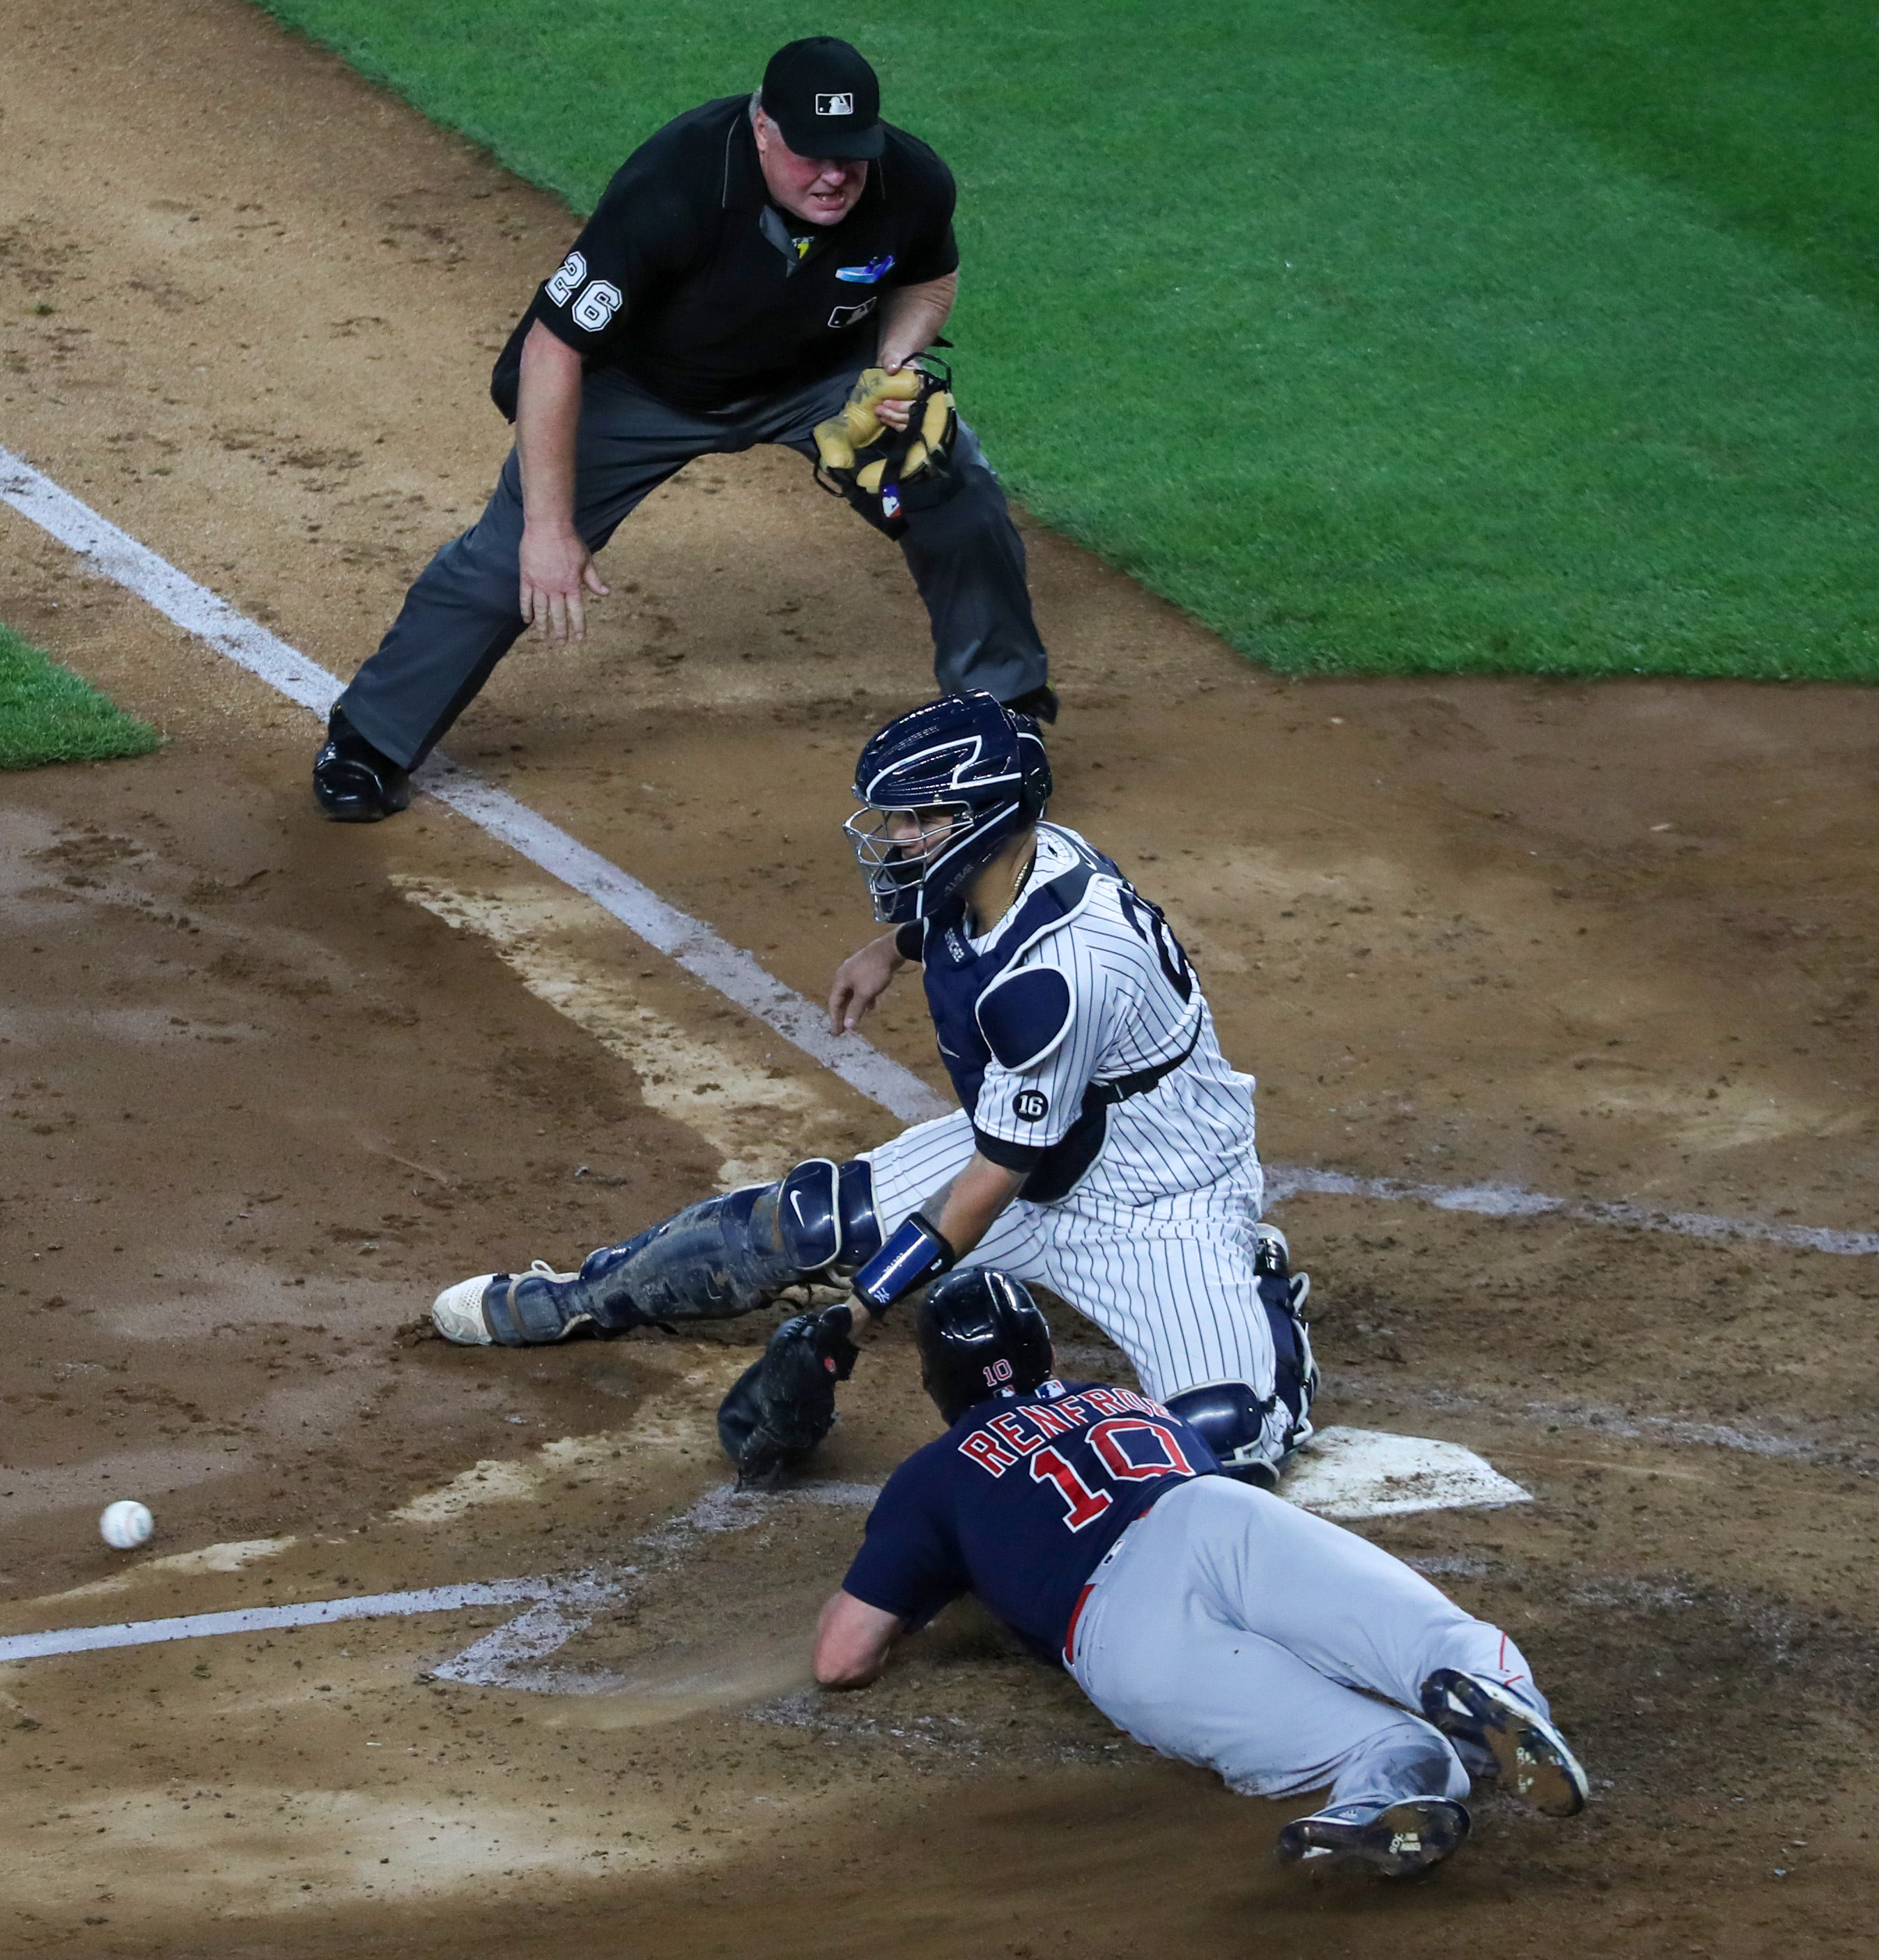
{"points": [[726, 1255]]}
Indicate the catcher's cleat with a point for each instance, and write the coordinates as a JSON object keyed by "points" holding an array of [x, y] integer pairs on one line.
{"points": [[355, 782], [1395, 1840], [471, 1312], [1256, 1438], [1284, 1293], [1530, 1757]]}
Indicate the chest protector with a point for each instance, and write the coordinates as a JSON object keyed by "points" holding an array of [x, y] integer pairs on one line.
{"points": [[956, 978]]}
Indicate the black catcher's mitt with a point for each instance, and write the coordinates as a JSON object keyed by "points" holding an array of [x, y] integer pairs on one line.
{"points": [[782, 1405]]}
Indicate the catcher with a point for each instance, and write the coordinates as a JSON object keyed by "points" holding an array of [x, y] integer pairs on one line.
{"points": [[1103, 1145]]}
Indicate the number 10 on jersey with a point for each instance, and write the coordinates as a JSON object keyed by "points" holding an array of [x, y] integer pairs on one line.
{"points": [[1130, 1449]]}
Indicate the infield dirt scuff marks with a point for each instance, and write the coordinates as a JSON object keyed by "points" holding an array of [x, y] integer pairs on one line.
{"points": [[748, 1094], [681, 1423]]}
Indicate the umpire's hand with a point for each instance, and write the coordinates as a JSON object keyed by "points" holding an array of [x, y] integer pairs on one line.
{"points": [[557, 567]]}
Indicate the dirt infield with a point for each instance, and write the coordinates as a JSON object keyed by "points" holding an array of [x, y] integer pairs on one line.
{"points": [[268, 1083]]}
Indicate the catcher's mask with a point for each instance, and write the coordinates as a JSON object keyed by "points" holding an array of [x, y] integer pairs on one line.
{"points": [[981, 1334], [973, 772]]}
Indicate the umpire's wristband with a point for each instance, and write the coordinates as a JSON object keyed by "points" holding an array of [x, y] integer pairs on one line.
{"points": [[914, 1255]]}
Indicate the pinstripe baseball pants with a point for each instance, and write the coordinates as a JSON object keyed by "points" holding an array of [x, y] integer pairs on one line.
{"points": [[1171, 1282]]}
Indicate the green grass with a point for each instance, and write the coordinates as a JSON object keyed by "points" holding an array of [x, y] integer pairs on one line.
{"points": [[1411, 335], [1762, 114], [49, 714]]}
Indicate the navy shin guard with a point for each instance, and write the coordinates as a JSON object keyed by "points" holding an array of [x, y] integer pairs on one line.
{"points": [[1236, 1422], [726, 1255]]}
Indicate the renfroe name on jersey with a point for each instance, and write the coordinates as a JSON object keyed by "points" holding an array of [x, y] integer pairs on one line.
{"points": [[1002, 1438]]}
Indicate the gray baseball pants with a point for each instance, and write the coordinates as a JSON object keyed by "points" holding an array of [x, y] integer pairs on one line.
{"points": [[1231, 1629], [460, 617]]}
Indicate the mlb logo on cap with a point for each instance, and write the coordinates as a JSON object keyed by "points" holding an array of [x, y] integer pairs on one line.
{"points": [[825, 100]]}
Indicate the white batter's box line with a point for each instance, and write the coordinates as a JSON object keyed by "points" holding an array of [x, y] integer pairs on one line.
{"points": [[1509, 1201], [268, 1619], [555, 1608], [115, 554], [544, 1628], [505, 1657]]}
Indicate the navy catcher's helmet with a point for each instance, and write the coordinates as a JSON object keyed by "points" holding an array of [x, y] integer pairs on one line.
{"points": [[980, 1334], [967, 756]]}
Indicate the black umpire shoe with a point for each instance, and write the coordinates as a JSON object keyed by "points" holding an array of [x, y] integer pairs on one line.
{"points": [[353, 782], [1395, 1840], [1040, 703]]}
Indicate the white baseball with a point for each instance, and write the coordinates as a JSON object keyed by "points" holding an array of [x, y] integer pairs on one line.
{"points": [[126, 1525]]}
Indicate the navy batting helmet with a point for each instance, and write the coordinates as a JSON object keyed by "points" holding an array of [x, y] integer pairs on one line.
{"points": [[980, 1334], [966, 756]]}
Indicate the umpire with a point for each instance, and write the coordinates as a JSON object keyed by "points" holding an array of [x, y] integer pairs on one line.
{"points": [[745, 265]]}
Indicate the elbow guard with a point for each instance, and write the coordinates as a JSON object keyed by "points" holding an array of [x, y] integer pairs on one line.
{"points": [[916, 1253]]}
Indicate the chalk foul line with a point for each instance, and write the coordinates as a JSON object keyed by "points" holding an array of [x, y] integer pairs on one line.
{"points": [[1509, 1201], [113, 554]]}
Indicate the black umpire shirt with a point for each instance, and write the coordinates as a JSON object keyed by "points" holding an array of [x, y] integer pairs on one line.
{"points": [[689, 279]]}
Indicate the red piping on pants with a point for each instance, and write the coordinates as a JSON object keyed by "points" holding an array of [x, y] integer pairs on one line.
{"points": [[1076, 1613]]}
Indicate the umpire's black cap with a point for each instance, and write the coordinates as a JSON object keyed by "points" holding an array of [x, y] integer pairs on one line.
{"points": [[825, 98]]}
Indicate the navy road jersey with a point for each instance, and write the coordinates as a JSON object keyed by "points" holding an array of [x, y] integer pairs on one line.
{"points": [[1019, 1502]]}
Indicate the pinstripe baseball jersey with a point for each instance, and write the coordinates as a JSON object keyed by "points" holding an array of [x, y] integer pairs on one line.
{"points": [[1078, 1039]]}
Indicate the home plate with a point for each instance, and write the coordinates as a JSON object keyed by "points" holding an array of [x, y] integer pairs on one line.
{"points": [[1370, 1473]]}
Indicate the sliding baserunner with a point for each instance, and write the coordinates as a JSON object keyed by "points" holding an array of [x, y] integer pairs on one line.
{"points": [[1103, 1147], [1214, 1624]]}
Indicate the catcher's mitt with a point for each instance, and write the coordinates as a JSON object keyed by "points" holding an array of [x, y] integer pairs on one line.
{"points": [[782, 1405], [909, 468]]}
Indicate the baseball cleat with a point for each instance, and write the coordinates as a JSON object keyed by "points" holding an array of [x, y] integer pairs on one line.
{"points": [[1530, 1756], [461, 1312], [457, 1311], [1395, 1840]]}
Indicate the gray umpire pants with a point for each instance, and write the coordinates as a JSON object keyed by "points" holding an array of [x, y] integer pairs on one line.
{"points": [[1231, 1629], [460, 617]]}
